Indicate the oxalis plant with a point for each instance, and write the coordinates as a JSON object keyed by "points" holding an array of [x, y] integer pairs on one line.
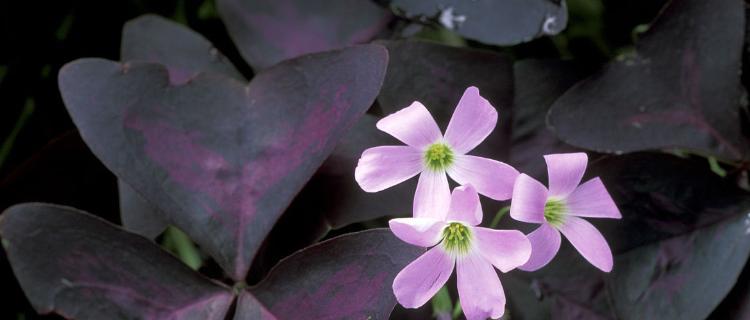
{"points": [[281, 193]]}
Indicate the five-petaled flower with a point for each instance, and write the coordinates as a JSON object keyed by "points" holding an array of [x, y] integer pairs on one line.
{"points": [[433, 155], [559, 210], [455, 239]]}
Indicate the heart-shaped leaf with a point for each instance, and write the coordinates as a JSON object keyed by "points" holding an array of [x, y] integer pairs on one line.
{"points": [[679, 89], [185, 54], [348, 277], [506, 22], [151, 38], [82, 267], [222, 160], [269, 31], [679, 248]]}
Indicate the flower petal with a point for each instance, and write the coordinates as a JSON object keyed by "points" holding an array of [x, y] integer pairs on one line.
{"points": [[529, 198], [382, 167], [433, 195], [422, 278], [505, 249], [565, 171], [491, 178], [412, 125], [479, 288], [465, 206], [588, 241], [473, 120], [545, 242], [423, 232], [591, 199]]}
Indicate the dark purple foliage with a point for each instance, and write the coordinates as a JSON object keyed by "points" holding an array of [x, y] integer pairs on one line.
{"points": [[138, 215], [151, 38], [679, 233], [680, 88], [537, 84], [348, 277], [85, 268], [269, 31]]}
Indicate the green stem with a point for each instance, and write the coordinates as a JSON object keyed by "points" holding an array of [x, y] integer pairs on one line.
{"points": [[441, 303], [180, 244], [28, 109], [499, 215], [716, 168]]}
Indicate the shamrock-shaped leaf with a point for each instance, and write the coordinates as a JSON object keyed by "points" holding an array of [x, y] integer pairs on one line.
{"points": [[269, 31], [679, 89], [221, 160]]}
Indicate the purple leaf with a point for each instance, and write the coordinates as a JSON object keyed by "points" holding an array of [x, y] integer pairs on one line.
{"points": [[151, 38], [137, 215], [680, 89], [249, 308], [504, 23], [336, 197], [269, 31], [736, 306], [537, 84], [679, 248], [222, 160], [348, 277], [683, 277], [663, 196], [184, 53], [82, 267]]}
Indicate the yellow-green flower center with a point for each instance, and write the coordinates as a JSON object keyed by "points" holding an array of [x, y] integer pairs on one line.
{"points": [[456, 238], [554, 212], [438, 156]]}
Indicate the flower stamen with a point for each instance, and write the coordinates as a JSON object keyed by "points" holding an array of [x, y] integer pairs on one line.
{"points": [[438, 156], [456, 238], [554, 212]]}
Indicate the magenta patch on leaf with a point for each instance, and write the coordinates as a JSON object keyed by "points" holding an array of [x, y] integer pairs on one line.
{"points": [[350, 292]]}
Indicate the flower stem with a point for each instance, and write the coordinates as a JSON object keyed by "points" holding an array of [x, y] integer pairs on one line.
{"points": [[181, 246]]}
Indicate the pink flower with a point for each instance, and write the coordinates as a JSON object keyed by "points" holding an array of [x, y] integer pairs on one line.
{"points": [[455, 239], [559, 210], [432, 155]]}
